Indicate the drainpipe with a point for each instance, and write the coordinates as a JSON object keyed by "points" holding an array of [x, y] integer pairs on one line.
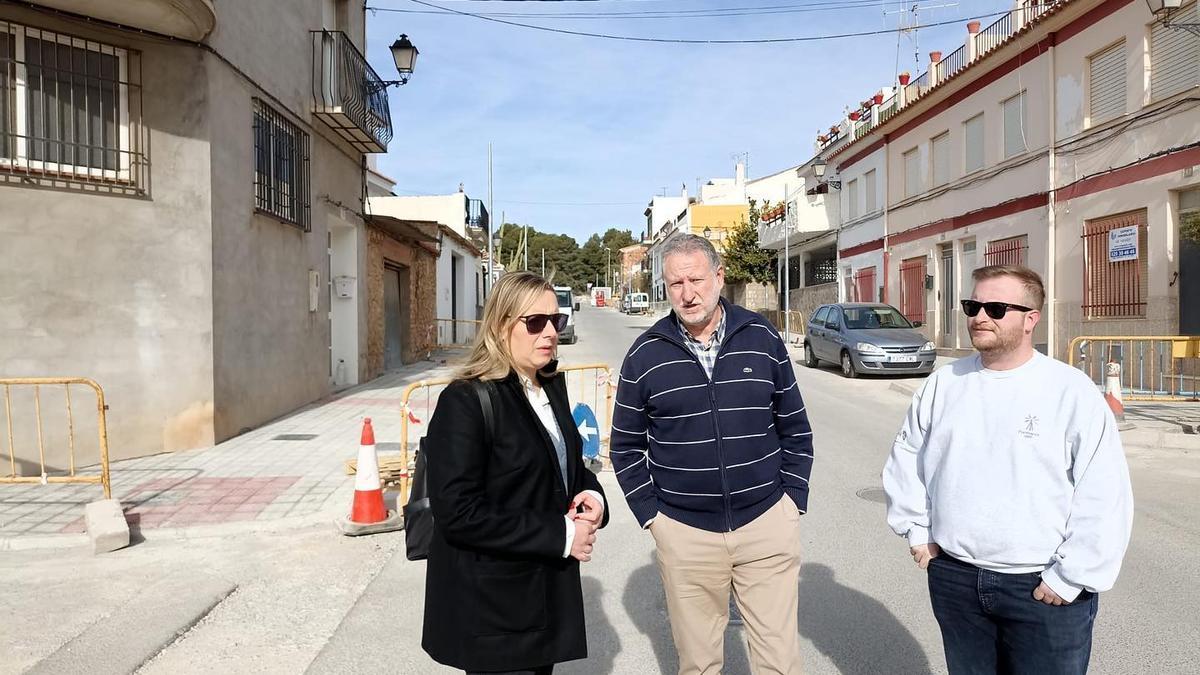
{"points": [[887, 193], [1051, 223]]}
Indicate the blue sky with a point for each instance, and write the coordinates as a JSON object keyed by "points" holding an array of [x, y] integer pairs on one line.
{"points": [[585, 131]]}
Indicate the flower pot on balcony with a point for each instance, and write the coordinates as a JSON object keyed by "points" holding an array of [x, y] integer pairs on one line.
{"points": [[833, 131], [935, 57], [866, 105], [904, 78], [972, 27], [854, 116], [822, 138], [878, 98]]}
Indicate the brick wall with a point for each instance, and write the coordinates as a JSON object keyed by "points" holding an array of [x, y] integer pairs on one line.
{"points": [[420, 301]]}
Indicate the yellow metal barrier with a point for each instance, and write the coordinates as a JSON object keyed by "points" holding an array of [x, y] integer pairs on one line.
{"points": [[593, 378], [1153, 367], [65, 382], [456, 333]]}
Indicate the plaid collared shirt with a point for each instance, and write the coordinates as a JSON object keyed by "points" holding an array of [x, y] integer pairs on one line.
{"points": [[706, 353]]}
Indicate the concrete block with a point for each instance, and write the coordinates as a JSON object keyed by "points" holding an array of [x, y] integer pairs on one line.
{"points": [[106, 526]]}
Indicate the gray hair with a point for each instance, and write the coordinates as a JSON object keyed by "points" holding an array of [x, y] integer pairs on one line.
{"points": [[690, 243]]}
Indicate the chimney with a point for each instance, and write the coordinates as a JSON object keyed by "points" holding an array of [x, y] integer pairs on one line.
{"points": [[739, 174]]}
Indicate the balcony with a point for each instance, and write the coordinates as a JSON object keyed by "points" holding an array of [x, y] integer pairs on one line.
{"points": [[187, 19], [347, 93]]}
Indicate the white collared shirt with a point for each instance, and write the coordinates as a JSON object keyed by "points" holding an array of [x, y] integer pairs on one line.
{"points": [[540, 403]]}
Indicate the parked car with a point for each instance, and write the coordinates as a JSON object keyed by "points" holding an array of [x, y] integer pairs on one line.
{"points": [[637, 303], [867, 338]]}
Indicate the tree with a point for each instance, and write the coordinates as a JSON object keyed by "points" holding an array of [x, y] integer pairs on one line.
{"points": [[745, 260]]}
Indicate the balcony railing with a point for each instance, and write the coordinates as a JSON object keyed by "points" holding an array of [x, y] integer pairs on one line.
{"points": [[347, 93], [950, 65], [477, 214]]}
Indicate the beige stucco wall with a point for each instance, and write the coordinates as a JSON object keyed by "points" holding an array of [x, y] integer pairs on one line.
{"points": [[117, 288]]}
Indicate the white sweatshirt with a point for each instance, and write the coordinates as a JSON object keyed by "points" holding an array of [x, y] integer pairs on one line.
{"points": [[1014, 471]]}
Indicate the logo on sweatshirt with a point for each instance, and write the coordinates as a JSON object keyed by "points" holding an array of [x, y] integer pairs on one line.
{"points": [[747, 370], [1030, 427]]}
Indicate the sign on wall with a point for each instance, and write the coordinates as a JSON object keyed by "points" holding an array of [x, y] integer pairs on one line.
{"points": [[1123, 244]]}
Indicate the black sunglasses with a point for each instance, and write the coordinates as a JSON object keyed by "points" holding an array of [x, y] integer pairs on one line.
{"points": [[536, 323], [995, 310]]}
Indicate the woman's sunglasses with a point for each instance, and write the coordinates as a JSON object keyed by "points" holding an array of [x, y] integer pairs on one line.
{"points": [[536, 323], [995, 310]]}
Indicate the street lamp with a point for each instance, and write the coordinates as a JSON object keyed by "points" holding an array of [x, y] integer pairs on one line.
{"points": [[708, 233], [404, 54], [819, 167], [1165, 9]]}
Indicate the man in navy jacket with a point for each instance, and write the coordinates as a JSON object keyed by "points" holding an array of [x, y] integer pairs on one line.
{"points": [[712, 448]]}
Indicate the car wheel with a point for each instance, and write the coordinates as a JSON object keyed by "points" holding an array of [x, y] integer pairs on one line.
{"points": [[848, 366], [810, 359]]}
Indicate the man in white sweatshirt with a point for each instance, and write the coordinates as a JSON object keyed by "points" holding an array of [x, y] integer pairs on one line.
{"points": [[1009, 481]]}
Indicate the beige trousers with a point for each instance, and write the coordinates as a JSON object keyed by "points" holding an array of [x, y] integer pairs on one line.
{"points": [[762, 563]]}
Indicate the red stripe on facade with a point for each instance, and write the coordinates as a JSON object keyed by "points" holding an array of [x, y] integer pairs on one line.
{"points": [[866, 151], [1130, 174], [974, 217], [865, 247], [1070, 30]]}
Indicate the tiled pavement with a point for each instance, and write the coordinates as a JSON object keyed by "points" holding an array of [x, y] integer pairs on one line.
{"points": [[252, 478]]}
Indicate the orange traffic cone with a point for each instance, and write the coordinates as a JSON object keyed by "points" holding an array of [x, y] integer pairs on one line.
{"points": [[368, 514], [1112, 393]]}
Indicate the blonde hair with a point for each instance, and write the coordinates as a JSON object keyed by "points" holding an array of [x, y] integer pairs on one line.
{"points": [[490, 358], [1030, 280]]}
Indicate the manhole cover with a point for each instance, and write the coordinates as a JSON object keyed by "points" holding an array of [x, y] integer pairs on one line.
{"points": [[872, 494], [294, 437]]}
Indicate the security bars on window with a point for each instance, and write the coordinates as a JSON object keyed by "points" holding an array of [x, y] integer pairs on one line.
{"points": [[70, 113], [280, 167]]}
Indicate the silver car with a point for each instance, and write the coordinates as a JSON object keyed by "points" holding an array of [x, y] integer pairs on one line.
{"points": [[867, 338]]}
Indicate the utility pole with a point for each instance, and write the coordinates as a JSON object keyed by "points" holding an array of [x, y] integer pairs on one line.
{"points": [[525, 244], [787, 268], [487, 281], [543, 263]]}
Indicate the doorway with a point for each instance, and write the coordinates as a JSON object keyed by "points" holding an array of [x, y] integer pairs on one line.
{"points": [[948, 300], [1189, 262], [395, 315], [966, 286]]}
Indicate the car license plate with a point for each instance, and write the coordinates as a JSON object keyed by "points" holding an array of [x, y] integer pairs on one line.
{"points": [[904, 358]]}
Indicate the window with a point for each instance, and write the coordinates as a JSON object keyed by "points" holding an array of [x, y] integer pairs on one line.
{"points": [[973, 158], [65, 106], [1011, 251], [912, 289], [864, 284], [280, 167], [912, 173], [821, 267], [834, 320], [852, 199], [869, 188], [1174, 56], [940, 149], [1106, 82], [821, 315], [1115, 273], [1014, 126]]}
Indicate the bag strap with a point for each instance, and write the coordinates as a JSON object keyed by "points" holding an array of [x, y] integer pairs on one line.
{"points": [[484, 391]]}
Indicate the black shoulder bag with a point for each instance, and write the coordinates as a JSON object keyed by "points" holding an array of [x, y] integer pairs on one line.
{"points": [[418, 518]]}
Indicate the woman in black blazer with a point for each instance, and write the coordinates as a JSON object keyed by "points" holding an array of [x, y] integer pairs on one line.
{"points": [[513, 517]]}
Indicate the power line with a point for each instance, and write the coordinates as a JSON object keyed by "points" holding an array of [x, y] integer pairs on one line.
{"points": [[633, 38], [719, 12]]}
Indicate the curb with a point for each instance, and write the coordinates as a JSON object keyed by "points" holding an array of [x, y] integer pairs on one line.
{"points": [[208, 531]]}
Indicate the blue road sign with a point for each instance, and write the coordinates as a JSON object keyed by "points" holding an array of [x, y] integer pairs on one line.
{"points": [[589, 430]]}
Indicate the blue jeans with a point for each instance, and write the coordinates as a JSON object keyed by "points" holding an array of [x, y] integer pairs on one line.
{"points": [[992, 624]]}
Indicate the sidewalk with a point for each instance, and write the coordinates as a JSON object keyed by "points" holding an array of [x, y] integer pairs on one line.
{"points": [[286, 473]]}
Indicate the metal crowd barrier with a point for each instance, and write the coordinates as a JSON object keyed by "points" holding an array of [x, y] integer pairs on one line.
{"points": [[456, 333], [417, 403], [1150, 367], [44, 478]]}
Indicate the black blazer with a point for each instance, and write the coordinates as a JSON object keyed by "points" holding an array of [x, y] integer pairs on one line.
{"points": [[499, 595]]}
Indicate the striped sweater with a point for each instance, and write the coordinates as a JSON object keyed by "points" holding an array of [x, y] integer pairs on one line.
{"points": [[715, 454]]}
